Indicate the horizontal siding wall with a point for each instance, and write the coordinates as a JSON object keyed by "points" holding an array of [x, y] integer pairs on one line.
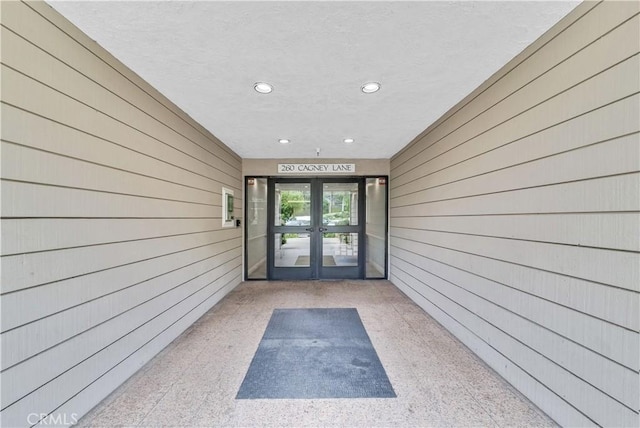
{"points": [[112, 238], [515, 219]]}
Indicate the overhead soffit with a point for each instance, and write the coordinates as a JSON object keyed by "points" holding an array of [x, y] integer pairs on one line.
{"points": [[206, 56]]}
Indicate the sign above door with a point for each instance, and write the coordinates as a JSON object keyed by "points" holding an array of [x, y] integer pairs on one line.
{"points": [[316, 168]]}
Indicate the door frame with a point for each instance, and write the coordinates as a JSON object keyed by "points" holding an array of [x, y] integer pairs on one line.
{"points": [[346, 272], [362, 217], [298, 273], [316, 270]]}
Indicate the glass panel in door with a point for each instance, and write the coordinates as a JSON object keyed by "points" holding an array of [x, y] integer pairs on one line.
{"points": [[340, 204], [292, 231], [339, 249], [340, 229]]}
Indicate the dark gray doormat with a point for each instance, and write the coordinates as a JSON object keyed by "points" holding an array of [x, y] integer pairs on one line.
{"points": [[315, 353]]}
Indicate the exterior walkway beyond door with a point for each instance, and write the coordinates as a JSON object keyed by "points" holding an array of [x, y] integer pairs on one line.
{"points": [[316, 228]]}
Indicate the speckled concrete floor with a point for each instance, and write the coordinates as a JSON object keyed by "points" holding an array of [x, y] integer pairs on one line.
{"points": [[194, 381]]}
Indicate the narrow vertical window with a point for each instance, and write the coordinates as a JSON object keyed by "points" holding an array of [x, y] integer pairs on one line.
{"points": [[256, 228]]}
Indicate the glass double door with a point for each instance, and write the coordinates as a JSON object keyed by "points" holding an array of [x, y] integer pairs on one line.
{"points": [[315, 228]]}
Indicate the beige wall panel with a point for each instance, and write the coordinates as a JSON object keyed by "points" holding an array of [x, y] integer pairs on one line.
{"points": [[540, 91], [503, 123], [615, 381], [582, 49], [44, 234], [269, 167], [129, 119], [542, 369], [61, 171], [31, 304], [91, 123], [618, 156], [524, 68], [106, 72], [486, 154], [571, 324], [543, 326], [34, 269], [73, 321], [43, 134], [546, 371], [114, 68], [616, 268], [618, 193], [30, 95], [494, 205], [615, 305], [103, 385], [87, 371], [23, 377], [522, 380], [569, 229], [34, 200]]}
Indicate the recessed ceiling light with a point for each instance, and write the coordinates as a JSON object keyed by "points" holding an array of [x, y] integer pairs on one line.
{"points": [[348, 140], [370, 88], [262, 87], [284, 141]]}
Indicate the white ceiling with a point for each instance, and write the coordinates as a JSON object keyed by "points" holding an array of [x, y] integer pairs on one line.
{"points": [[205, 56]]}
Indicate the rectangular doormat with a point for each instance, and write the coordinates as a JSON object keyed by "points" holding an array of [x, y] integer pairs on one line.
{"points": [[315, 353], [305, 261]]}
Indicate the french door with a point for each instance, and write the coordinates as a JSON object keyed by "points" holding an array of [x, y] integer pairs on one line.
{"points": [[315, 228]]}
